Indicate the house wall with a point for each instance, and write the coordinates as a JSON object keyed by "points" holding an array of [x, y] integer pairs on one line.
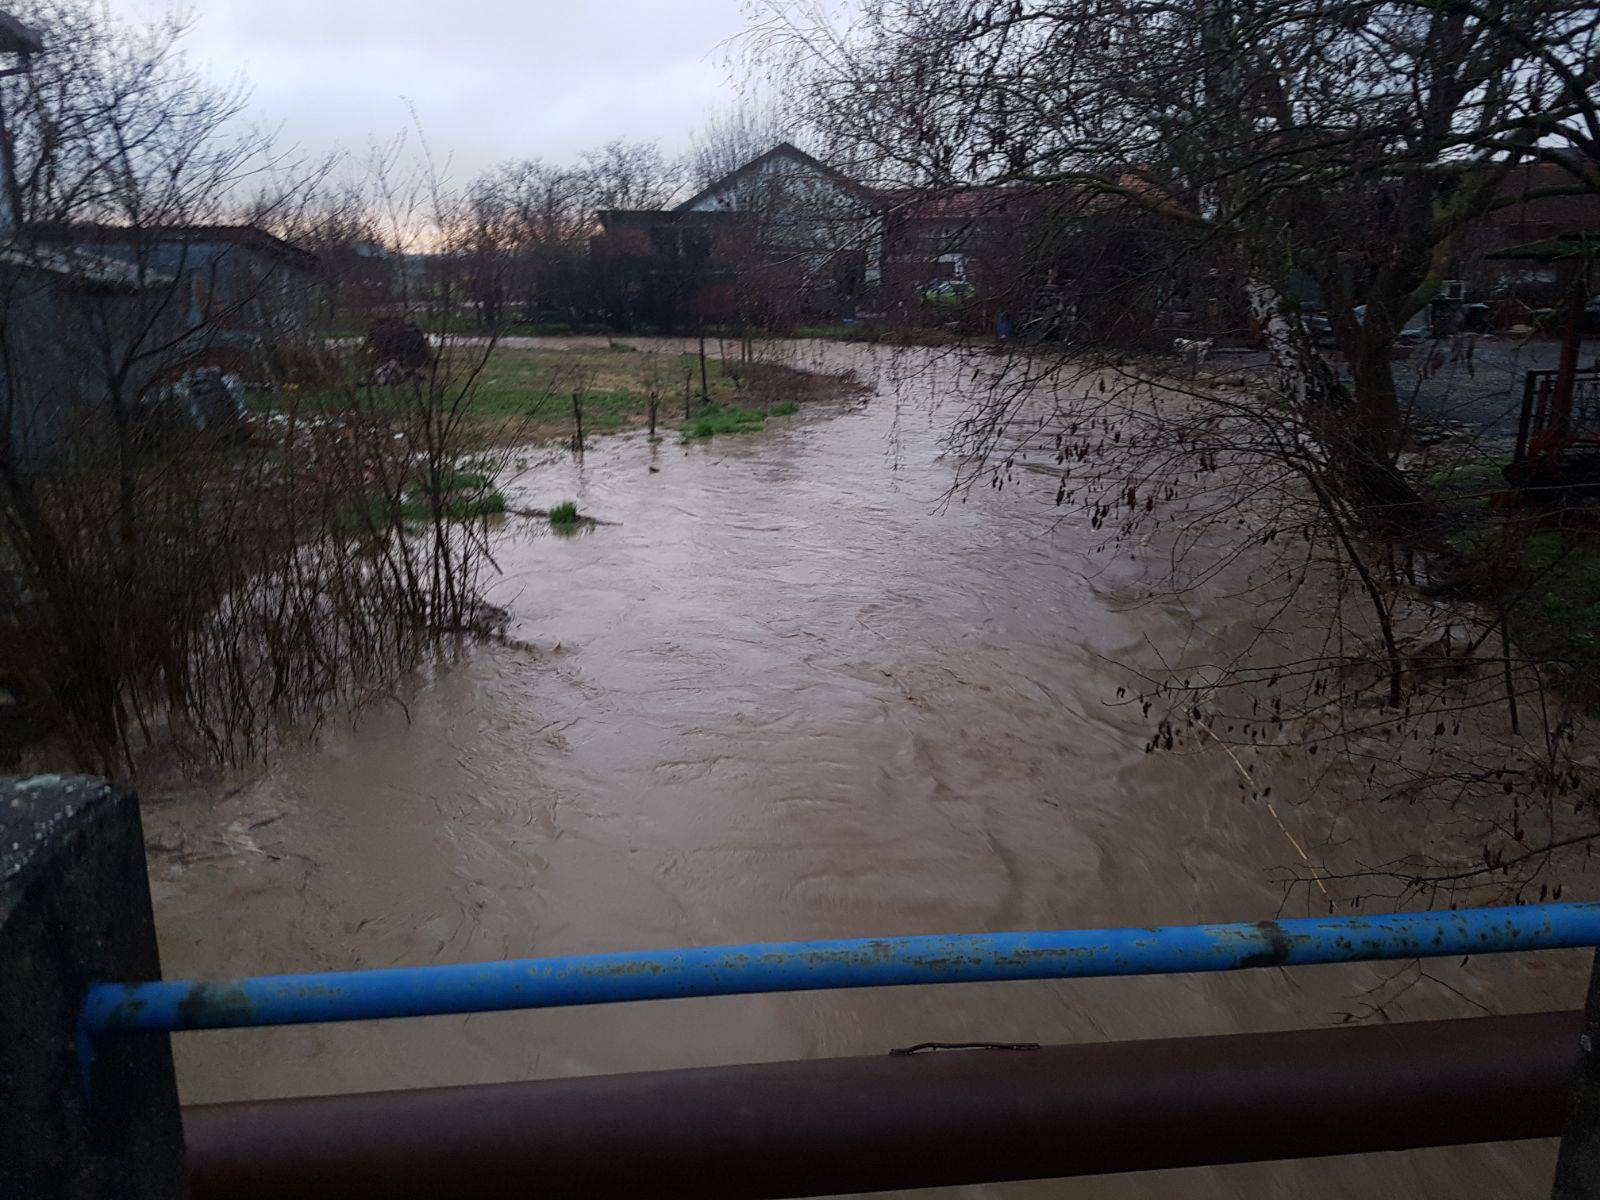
{"points": [[35, 370], [668, 270], [1510, 284], [237, 287], [60, 338], [808, 220], [953, 260]]}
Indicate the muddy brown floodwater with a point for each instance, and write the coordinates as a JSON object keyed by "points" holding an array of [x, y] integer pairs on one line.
{"points": [[787, 695]]}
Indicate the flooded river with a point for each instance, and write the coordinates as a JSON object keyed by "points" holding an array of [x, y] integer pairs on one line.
{"points": [[788, 694]]}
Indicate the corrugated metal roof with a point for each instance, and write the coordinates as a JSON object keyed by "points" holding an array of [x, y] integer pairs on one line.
{"points": [[83, 267], [1530, 195], [244, 235]]}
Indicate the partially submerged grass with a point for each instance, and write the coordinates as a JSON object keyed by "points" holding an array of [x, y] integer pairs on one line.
{"points": [[526, 395], [716, 419], [457, 506], [468, 481], [464, 496], [565, 513]]}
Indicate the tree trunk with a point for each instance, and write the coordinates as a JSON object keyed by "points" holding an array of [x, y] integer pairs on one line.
{"points": [[1360, 426], [1371, 434]]}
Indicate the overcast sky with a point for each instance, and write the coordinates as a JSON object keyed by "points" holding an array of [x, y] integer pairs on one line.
{"points": [[491, 79]]}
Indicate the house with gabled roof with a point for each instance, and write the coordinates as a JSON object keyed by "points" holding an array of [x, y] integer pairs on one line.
{"points": [[779, 239], [786, 238], [784, 169]]}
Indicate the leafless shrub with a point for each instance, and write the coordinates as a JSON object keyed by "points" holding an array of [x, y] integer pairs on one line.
{"points": [[1204, 163], [186, 573]]}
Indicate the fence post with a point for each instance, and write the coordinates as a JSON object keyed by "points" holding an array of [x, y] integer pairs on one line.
{"points": [[75, 907], [1578, 1163]]}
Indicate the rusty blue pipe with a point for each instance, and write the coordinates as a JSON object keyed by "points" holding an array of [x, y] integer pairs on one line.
{"points": [[806, 966]]}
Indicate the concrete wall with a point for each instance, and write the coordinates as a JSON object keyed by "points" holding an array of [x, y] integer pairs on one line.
{"points": [[74, 908]]}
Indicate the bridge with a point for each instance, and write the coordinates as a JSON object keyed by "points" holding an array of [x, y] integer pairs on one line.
{"points": [[87, 1082]]}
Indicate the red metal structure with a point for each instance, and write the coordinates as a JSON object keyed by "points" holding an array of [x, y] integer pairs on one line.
{"points": [[1558, 435]]}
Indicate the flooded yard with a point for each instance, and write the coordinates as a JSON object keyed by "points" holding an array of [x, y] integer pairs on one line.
{"points": [[788, 694]]}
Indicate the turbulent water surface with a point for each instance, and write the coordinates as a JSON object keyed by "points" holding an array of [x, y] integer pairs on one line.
{"points": [[788, 694]]}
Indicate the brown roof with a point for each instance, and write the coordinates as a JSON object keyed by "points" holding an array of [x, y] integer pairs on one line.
{"points": [[1562, 213], [950, 206]]}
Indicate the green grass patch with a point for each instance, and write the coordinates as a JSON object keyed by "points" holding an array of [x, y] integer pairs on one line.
{"points": [[565, 513], [616, 383], [719, 419], [1466, 484], [1549, 587], [520, 394], [465, 496], [715, 419]]}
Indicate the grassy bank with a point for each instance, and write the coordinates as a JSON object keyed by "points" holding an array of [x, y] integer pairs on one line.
{"points": [[522, 395]]}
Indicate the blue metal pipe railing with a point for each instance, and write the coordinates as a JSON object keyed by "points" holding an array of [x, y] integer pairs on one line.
{"points": [[803, 966]]}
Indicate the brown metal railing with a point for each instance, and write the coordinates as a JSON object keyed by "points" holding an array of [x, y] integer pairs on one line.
{"points": [[906, 1120]]}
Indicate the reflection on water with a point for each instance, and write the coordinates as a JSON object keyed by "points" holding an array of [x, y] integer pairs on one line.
{"points": [[789, 695]]}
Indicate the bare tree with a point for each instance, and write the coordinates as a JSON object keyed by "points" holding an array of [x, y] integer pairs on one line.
{"points": [[1261, 153], [1277, 136], [356, 268], [730, 138], [175, 569], [624, 174], [531, 225]]}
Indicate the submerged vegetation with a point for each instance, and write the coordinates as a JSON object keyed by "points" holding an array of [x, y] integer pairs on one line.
{"points": [[464, 496], [716, 419], [565, 513]]}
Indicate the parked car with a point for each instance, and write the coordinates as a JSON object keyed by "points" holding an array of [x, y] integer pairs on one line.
{"points": [[1316, 322], [948, 292]]}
